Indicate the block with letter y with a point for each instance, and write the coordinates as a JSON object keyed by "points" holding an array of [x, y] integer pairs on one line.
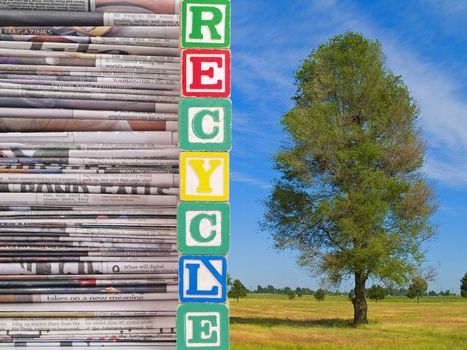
{"points": [[204, 176], [203, 279], [202, 326]]}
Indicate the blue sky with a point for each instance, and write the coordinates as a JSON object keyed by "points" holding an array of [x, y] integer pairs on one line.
{"points": [[425, 42]]}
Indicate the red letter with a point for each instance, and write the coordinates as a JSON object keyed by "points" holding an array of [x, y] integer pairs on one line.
{"points": [[198, 72]]}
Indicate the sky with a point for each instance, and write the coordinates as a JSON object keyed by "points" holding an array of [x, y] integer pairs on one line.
{"points": [[424, 41]]}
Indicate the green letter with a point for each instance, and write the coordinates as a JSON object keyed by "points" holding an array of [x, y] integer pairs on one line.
{"points": [[199, 22], [198, 124], [202, 329]]}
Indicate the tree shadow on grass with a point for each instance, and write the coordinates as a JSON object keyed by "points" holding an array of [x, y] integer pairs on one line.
{"points": [[271, 322]]}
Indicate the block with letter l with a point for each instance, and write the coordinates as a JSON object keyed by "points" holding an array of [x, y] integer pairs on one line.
{"points": [[203, 279], [202, 326]]}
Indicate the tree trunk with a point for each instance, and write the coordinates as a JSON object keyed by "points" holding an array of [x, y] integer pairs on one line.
{"points": [[359, 301]]}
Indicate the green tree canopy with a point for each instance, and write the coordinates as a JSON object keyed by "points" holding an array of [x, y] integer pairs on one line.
{"points": [[376, 292], [351, 197], [320, 294], [418, 288], [238, 290], [291, 295], [464, 286]]}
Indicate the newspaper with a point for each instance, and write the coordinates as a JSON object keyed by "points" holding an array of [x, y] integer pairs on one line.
{"points": [[106, 19], [34, 125], [140, 32], [89, 164], [158, 138], [114, 105], [92, 48], [51, 113], [163, 88], [126, 84], [89, 96], [96, 40], [79, 268], [157, 180], [74, 199], [162, 153], [141, 6], [148, 94]]}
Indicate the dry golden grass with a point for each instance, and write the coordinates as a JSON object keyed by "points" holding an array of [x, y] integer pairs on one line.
{"points": [[270, 322]]}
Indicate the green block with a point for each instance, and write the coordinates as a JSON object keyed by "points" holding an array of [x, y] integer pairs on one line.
{"points": [[206, 24], [202, 326], [205, 124], [203, 228]]}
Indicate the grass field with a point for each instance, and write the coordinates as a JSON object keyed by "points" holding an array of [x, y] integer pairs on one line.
{"points": [[271, 322]]}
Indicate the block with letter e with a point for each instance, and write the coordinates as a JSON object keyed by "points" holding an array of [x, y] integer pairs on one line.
{"points": [[203, 279], [206, 23], [203, 326], [205, 124], [204, 176], [206, 73], [203, 228]]}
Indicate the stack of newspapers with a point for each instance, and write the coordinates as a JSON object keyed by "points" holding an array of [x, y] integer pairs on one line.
{"points": [[89, 93]]}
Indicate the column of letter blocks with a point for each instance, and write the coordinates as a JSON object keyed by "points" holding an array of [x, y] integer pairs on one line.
{"points": [[205, 140]]}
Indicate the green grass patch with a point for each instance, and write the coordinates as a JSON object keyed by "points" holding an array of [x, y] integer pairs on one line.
{"points": [[273, 322]]}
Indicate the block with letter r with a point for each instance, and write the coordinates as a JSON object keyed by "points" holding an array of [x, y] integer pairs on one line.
{"points": [[203, 279], [202, 326], [203, 228], [205, 124], [206, 23]]}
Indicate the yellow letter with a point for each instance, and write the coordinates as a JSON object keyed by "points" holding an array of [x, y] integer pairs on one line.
{"points": [[204, 175]]}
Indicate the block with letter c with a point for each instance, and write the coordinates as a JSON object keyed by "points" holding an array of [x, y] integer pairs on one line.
{"points": [[205, 124]]}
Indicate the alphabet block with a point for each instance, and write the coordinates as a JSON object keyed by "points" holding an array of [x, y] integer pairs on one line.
{"points": [[203, 279], [205, 124], [203, 326], [204, 176], [206, 23], [203, 228], [206, 73]]}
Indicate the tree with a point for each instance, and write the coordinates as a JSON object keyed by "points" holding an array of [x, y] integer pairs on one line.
{"points": [[376, 292], [418, 288], [351, 196], [432, 293], [320, 294], [291, 295], [238, 290], [464, 286]]}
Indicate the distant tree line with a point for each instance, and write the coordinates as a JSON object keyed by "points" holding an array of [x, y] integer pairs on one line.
{"points": [[387, 291], [416, 290], [299, 291]]}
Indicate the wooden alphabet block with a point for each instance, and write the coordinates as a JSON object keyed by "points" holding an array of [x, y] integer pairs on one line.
{"points": [[206, 23], [203, 326], [206, 73], [203, 228], [204, 176], [205, 124]]}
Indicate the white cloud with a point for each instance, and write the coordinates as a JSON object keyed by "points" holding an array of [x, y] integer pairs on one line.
{"points": [[240, 177]]}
